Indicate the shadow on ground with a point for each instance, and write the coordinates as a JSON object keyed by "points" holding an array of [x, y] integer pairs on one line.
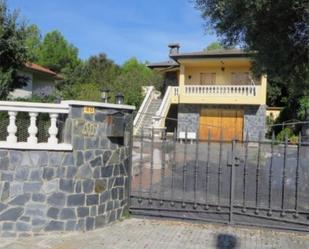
{"points": [[226, 241]]}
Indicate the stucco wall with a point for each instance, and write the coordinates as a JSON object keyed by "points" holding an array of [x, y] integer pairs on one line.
{"points": [[44, 191], [222, 77], [43, 85], [37, 84]]}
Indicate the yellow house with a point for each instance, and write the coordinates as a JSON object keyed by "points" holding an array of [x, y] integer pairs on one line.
{"points": [[211, 94]]}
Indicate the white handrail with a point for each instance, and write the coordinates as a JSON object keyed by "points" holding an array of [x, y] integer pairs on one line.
{"points": [[33, 109], [143, 108], [161, 114]]}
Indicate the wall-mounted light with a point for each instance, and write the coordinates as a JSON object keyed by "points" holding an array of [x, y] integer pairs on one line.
{"points": [[222, 66], [104, 94], [119, 98]]}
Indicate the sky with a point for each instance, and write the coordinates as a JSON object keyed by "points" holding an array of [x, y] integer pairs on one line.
{"points": [[122, 29]]}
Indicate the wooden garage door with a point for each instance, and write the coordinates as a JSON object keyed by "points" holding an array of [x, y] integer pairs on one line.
{"points": [[230, 120]]}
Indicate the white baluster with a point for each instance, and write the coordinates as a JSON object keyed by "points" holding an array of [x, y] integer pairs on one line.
{"points": [[53, 130], [12, 128], [33, 129]]}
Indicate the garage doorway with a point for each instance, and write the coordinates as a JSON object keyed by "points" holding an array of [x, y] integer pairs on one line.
{"points": [[215, 120]]}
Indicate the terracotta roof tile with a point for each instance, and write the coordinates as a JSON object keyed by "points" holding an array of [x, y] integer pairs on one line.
{"points": [[39, 68]]}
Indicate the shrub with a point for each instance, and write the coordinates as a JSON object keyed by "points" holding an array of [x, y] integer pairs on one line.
{"points": [[286, 132]]}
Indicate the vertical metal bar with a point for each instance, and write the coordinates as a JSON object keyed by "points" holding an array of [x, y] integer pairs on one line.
{"points": [[284, 175], [151, 165], [232, 181], [173, 168], [184, 169], [141, 162], [163, 143], [258, 166], [130, 142], [297, 174], [244, 206], [271, 174], [196, 169], [207, 170], [220, 171]]}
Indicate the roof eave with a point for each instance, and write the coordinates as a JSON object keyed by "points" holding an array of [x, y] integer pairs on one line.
{"points": [[209, 56]]}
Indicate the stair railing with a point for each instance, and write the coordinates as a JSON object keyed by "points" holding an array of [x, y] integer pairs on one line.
{"points": [[149, 96], [159, 119]]}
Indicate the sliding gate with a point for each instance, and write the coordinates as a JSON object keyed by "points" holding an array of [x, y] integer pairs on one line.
{"points": [[260, 183]]}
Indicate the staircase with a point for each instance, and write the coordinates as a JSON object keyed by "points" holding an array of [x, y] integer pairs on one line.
{"points": [[148, 109], [148, 116]]}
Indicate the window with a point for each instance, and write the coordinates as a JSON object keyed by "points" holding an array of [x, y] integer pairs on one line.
{"points": [[240, 78], [208, 78]]}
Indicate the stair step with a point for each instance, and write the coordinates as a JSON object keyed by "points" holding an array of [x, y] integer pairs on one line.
{"points": [[147, 119]]}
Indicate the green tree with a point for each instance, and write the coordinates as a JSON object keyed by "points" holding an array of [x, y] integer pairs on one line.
{"points": [[277, 30], [132, 77], [13, 52], [214, 46], [33, 42], [97, 70], [56, 53]]}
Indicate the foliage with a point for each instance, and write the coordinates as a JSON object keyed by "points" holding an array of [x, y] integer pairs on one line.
{"points": [[294, 139], [13, 52], [98, 70], [286, 132], [56, 53], [279, 33], [303, 108], [214, 46], [33, 41], [132, 77], [85, 91], [86, 81], [38, 98]]}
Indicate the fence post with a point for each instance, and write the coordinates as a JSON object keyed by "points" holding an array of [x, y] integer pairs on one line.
{"points": [[305, 129], [232, 182]]}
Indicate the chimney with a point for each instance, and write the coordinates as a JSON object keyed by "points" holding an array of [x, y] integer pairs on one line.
{"points": [[174, 48]]}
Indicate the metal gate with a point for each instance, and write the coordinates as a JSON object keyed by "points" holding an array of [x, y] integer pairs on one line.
{"points": [[259, 183]]}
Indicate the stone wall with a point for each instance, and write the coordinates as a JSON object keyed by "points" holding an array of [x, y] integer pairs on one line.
{"points": [[188, 118], [44, 191], [254, 118], [255, 121]]}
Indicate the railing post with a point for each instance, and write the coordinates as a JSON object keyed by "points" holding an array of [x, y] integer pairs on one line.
{"points": [[53, 130], [232, 182], [32, 130], [12, 128]]}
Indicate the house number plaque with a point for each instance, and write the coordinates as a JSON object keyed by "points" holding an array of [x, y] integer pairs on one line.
{"points": [[89, 110], [89, 129]]}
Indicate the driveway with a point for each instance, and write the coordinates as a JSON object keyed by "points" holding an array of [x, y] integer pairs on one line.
{"points": [[164, 234]]}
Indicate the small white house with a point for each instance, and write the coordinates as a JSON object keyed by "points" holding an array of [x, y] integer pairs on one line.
{"points": [[41, 81]]}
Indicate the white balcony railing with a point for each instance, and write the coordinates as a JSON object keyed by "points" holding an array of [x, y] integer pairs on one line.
{"points": [[33, 110], [221, 90], [175, 90]]}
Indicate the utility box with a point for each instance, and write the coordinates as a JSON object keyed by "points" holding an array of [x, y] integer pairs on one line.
{"points": [[115, 124]]}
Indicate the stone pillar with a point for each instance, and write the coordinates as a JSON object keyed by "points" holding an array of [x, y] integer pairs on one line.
{"points": [[78, 190]]}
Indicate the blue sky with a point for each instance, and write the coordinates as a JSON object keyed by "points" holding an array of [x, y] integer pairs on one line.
{"points": [[120, 28]]}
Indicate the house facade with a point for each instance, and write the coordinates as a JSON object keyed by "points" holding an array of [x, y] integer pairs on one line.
{"points": [[213, 93], [40, 81]]}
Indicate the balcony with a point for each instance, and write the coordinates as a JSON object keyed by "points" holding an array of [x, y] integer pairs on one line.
{"points": [[219, 94]]}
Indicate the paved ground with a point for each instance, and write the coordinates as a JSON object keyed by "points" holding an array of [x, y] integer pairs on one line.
{"points": [[163, 234]]}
